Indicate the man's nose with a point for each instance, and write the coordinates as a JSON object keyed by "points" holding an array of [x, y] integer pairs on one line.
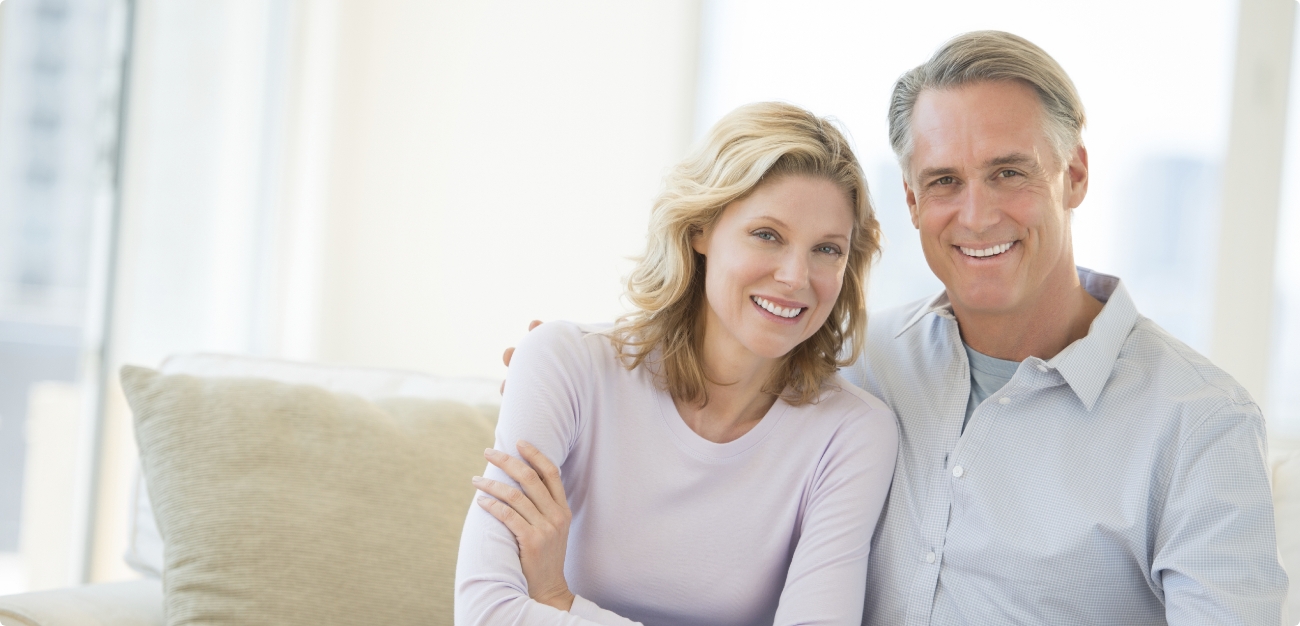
{"points": [[979, 211], [793, 269]]}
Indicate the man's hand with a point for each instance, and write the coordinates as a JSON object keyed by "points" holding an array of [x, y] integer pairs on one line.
{"points": [[505, 358], [538, 517]]}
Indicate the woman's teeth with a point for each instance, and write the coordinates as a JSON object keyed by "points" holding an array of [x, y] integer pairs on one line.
{"points": [[776, 310], [998, 249]]}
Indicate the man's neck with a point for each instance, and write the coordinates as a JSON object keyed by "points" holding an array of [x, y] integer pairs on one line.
{"points": [[1058, 318]]}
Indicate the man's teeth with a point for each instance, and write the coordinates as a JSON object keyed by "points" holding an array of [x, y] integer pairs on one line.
{"points": [[776, 310], [998, 249]]}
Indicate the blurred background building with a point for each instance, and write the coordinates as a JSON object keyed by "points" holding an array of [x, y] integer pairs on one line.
{"points": [[406, 183]]}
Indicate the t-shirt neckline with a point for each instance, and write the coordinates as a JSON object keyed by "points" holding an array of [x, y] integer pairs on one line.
{"points": [[693, 443]]}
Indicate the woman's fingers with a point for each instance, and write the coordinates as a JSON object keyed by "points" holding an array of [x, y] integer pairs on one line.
{"points": [[517, 525], [546, 471], [539, 496], [511, 497]]}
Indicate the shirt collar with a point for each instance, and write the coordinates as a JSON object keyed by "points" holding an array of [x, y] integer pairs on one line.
{"points": [[937, 304], [1085, 364]]}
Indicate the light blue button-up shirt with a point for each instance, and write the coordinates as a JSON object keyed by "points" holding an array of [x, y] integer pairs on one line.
{"points": [[1123, 481]]}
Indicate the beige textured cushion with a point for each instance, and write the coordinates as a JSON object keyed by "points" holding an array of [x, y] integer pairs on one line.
{"points": [[287, 504]]}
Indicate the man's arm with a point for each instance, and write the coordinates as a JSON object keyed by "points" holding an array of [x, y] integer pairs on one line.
{"points": [[1215, 546]]}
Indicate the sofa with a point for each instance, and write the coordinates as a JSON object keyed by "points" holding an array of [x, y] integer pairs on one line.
{"points": [[395, 531]]}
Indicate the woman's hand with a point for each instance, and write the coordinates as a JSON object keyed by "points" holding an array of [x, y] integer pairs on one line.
{"points": [[538, 516]]}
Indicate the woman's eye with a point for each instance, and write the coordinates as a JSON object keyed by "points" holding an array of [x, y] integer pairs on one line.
{"points": [[765, 235], [831, 250]]}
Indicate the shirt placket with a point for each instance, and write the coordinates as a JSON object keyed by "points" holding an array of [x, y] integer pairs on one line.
{"points": [[934, 521], [982, 426]]}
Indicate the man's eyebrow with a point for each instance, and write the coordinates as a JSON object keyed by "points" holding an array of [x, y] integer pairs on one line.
{"points": [[934, 172], [1019, 159]]}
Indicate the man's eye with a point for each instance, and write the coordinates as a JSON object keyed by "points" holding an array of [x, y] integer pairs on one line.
{"points": [[945, 180], [1008, 173]]}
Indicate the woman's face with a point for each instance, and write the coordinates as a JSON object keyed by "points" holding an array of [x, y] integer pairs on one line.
{"points": [[775, 262]]}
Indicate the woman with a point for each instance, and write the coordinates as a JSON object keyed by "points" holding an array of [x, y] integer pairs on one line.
{"points": [[715, 468]]}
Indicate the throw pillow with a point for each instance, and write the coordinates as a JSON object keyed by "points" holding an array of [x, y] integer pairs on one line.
{"points": [[287, 504]]}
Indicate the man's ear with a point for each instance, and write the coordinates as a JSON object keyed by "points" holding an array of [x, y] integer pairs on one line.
{"points": [[910, 196], [1076, 178]]}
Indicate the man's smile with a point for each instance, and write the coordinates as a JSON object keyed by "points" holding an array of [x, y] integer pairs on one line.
{"points": [[989, 251]]}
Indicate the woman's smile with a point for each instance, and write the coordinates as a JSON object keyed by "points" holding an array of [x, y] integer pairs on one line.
{"points": [[779, 311]]}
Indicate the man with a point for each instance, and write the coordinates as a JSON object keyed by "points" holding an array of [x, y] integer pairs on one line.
{"points": [[1062, 459]]}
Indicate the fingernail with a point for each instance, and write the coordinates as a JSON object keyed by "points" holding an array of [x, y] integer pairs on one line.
{"points": [[489, 453], [476, 480], [525, 444], [484, 500]]}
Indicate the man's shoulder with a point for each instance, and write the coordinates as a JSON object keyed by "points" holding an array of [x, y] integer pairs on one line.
{"points": [[1156, 359], [887, 323], [885, 348]]}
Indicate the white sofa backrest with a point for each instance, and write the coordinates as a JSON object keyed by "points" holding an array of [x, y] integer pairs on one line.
{"points": [[145, 546], [1284, 470]]}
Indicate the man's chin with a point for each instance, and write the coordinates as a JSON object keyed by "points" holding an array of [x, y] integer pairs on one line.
{"points": [[985, 302]]}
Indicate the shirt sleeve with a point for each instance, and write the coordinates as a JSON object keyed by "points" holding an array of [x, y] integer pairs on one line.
{"points": [[1215, 550], [826, 582], [550, 375]]}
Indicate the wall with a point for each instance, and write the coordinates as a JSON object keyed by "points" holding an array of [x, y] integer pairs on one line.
{"points": [[464, 130], [376, 182]]}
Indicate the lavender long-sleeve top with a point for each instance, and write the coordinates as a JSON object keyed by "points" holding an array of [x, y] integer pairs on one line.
{"points": [[668, 527]]}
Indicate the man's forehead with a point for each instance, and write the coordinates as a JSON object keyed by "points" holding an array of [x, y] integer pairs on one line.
{"points": [[989, 123]]}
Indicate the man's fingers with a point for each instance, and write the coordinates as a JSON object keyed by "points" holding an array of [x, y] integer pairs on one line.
{"points": [[534, 490], [546, 470], [510, 352]]}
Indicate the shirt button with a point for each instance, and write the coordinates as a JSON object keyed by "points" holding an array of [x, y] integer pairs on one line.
{"points": [[929, 558], [958, 471], [1042, 368], [1004, 400]]}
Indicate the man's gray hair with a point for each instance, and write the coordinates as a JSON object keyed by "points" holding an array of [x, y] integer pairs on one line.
{"points": [[990, 55]]}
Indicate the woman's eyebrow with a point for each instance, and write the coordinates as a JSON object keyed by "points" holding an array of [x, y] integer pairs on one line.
{"points": [[769, 218]]}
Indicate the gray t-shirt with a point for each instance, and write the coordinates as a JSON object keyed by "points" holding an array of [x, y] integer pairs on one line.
{"points": [[987, 376]]}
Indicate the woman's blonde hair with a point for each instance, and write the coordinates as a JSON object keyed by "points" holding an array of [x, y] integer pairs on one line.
{"points": [[753, 144]]}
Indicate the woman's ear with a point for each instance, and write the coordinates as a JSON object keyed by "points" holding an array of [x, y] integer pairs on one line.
{"points": [[700, 241]]}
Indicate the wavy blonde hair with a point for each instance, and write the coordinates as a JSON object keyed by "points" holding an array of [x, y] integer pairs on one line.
{"points": [[753, 144]]}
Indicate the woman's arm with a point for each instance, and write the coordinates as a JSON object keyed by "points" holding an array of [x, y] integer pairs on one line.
{"points": [[538, 516], [551, 374], [826, 581]]}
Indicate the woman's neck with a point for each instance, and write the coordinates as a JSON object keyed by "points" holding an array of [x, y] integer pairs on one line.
{"points": [[735, 381]]}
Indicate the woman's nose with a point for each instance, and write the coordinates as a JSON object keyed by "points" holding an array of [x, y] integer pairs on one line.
{"points": [[793, 270]]}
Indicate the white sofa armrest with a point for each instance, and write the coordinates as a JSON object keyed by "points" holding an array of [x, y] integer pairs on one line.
{"points": [[134, 603]]}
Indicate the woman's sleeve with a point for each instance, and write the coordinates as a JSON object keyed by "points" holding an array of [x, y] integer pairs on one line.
{"points": [[826, 582], [551, 375]]}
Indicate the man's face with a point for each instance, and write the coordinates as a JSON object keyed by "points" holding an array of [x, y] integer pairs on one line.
{"points": [[991, 198]]}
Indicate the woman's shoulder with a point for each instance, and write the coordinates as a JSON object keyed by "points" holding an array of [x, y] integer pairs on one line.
{"points": [[843, 401], [572, 343]]}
